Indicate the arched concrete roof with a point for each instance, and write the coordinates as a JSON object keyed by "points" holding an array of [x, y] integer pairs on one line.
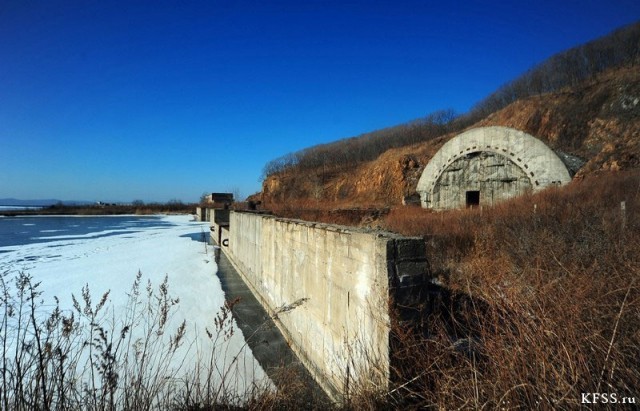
{"points": [[539, 162]]}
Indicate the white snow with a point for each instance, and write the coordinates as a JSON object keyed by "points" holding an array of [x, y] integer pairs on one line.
{"points": [[65, 265]]}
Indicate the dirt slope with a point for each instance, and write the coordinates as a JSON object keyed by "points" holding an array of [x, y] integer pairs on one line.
{"points": [[598, 121]]}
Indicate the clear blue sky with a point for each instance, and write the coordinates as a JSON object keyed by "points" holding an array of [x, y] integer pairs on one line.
{"points": [[159, 100]]}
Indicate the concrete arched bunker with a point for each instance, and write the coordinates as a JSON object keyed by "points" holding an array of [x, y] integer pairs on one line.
{"points": [[523, 153]]}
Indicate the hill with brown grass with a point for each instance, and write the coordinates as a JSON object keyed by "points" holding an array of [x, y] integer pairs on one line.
{"points": [[534, 302], [597, 122], [584, 103]]}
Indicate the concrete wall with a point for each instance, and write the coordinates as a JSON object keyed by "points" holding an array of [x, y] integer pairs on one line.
{"points": [[330, 289], [201, 213], [213, 214], [514, 157], [219, 218], [224, 237]]}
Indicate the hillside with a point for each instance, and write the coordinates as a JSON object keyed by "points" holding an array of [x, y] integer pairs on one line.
{"points": [[597, 121], [533, 301], [583, 102]]}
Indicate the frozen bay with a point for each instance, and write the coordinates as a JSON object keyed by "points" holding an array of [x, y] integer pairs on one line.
{"points": [[66, 253]]}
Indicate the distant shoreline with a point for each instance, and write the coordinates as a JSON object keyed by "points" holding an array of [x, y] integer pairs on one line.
{"points": [[146, 209]]}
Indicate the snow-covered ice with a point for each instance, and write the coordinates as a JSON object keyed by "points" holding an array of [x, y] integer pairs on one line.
{"points": [[110, 261]]}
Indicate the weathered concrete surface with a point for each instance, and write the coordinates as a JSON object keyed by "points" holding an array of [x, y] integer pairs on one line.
{"points": [[267, 343], [224, 236], [212, 214], [219, 218], [497, 163], [201, 213], [330, 289]]}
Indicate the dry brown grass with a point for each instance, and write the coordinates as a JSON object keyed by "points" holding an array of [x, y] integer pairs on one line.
{"points": [[541, 304], [343, 213], [81, 358], [538, 304]]}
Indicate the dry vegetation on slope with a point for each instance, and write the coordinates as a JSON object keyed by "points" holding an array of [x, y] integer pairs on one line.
{"points": [[599, 121], [536, 302], [537, 299], [541, 304], [584, 102]]}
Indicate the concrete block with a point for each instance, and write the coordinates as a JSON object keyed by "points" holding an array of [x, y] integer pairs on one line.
{"points": [[410, 249], [219, 216]]}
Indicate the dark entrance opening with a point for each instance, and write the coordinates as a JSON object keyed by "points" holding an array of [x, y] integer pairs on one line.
{"points": [[473, 198]]}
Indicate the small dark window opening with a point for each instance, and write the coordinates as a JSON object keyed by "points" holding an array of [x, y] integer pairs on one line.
{"points": [[473, 198]]}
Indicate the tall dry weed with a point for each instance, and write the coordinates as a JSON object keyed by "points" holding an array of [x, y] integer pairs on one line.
{"points": [[544, 300], [82, 357]]}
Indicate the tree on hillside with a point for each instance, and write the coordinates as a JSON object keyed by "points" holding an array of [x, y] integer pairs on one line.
{"points": [[366, 147], [618, 49]]}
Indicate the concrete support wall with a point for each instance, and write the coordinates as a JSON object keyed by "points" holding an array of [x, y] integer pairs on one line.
{"points": [[206, 213], [219, 219], [224, 237], [218, 216], [330, 288], [200, 213]]}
